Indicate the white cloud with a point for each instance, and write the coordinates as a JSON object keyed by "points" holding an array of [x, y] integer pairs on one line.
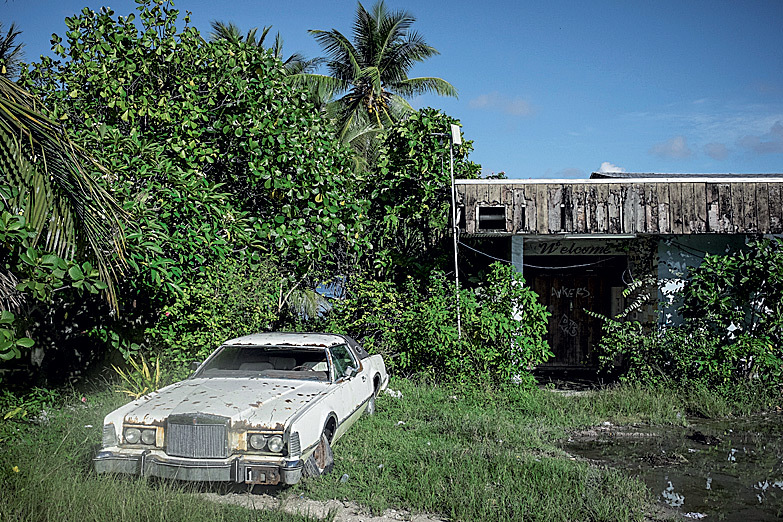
{"points": [[713, 122], [716, 151], [610, 167], [498, 102], [769, 143], [675, 148]]}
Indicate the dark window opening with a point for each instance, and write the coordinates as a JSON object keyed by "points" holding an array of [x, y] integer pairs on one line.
{"points": [[492, 218]]}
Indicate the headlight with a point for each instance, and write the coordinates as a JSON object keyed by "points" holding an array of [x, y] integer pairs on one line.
{"points": [[132, 435], [257, 441], [275, 444], [148, 436]]}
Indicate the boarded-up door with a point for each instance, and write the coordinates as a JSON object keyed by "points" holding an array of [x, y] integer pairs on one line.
{"points": [[567, 294]]}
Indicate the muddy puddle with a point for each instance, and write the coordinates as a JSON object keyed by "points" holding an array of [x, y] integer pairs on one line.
{"points": [[728, 470]]}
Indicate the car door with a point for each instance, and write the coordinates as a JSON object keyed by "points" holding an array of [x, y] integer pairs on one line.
{"points": [[351, 389]]}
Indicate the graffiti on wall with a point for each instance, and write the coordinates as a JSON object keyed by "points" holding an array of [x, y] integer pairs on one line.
{"points": [[569, 327], [581, 291]]}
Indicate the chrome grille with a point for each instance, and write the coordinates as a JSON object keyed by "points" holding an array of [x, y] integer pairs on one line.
{"points": [[197, 436]]}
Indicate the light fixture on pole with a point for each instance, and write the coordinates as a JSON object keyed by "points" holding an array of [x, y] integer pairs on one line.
{"points": [[456, 139]]}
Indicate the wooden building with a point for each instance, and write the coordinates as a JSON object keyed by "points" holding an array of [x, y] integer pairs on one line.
{"points": [[579, 243]]}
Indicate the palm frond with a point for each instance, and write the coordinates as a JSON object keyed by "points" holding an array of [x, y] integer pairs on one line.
{"points": [[11, 52], [326, 87], [415, 86], [57, 195], [225, 31], [251, 38], [342, 58], [307, 303], [399, 107], [404, 55], [392, 29], [298, 64]]}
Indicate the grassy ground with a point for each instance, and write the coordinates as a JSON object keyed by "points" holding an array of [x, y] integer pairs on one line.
{"points": [[46, 474], [467, 454]]}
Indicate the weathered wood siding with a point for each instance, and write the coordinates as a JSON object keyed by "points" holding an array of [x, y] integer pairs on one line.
{"points": [[730, 206]]}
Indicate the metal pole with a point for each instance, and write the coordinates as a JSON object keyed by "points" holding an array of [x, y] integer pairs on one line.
{"points": [[455, 226]]}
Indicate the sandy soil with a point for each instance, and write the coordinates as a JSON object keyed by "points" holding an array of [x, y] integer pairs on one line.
{"points": [[343, 511]]}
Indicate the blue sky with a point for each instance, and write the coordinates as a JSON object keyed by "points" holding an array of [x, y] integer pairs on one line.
{"points": [[557, 89]]}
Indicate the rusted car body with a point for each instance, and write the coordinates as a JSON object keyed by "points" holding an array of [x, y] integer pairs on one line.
{"points": [[262, 409]]}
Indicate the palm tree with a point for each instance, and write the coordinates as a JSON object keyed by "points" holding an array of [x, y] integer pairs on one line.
{"points": [[231, 32], [66, 207], [294, 64], [10, 52], [370, 74]]}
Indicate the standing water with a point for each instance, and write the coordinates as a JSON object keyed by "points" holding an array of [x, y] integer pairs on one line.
{"points": [[712, 470]]}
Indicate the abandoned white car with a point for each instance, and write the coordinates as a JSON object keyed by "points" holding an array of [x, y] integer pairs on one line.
{"points": [[262, 409]]}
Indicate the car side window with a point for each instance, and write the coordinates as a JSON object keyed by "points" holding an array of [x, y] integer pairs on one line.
{"points": [[341, 360]]}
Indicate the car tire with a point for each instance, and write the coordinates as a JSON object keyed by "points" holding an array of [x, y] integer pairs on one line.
{"points": [[321, 461]]}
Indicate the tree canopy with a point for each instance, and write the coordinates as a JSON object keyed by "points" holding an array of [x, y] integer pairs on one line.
{"points": [[210, 152], [367, 82], [294, 64]]}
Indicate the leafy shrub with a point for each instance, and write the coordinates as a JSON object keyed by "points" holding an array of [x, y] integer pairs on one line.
{"points": [[740, 293], [224, 301], [732, 332], [677, 353], [503, 326], [508, 326], [688, 354]]}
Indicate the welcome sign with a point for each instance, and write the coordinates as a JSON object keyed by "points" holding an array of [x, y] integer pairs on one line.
{"points": [[574, 247]]}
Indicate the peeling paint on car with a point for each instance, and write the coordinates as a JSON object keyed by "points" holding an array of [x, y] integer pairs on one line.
{"points": [[289, 403]]}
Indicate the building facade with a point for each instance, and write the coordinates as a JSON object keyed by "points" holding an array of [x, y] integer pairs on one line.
{"points": [[580, 243]]}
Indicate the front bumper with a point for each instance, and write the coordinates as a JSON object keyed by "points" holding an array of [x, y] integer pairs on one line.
{"points": [[237, 469]]}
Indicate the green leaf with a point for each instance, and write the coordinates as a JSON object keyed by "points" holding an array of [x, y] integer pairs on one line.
{"points": [[76, 273]]}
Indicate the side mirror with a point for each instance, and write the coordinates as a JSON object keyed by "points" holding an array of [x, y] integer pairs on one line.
{"points": [[349, 372], [194, 366]]}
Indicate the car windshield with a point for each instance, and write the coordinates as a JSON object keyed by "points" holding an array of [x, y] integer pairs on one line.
{"points": [[273, 362]]}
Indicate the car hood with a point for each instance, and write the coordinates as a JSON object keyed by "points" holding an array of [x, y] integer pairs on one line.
{"points": [[254, 403]]}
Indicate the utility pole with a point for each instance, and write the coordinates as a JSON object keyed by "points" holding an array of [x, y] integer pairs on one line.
{"points": [[456, 139]]}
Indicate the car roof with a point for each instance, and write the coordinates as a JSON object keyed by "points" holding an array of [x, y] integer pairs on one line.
{"points": [[293, 339]]}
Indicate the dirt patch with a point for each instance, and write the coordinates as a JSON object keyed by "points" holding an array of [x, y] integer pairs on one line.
{"points": [[343, 511]]}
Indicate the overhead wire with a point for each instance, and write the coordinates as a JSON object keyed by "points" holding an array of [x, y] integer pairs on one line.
{"points": [[532, 266]]}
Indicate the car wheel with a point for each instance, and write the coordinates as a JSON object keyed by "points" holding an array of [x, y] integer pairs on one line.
{"points": [[321, 461]]}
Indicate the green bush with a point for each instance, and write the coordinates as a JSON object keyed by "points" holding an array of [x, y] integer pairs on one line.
{"points": [[732, 330], [688, 355], [224, 301], [503, 326], [740, 293]]}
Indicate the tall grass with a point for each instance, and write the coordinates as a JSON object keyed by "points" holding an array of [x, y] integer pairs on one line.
{"points": [[467, 453], [474, 454], [46, 475]]}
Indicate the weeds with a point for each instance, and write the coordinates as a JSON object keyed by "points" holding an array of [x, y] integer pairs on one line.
{"points": [[46, 474], [139, 380], [464, 452], [476, 455]]}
